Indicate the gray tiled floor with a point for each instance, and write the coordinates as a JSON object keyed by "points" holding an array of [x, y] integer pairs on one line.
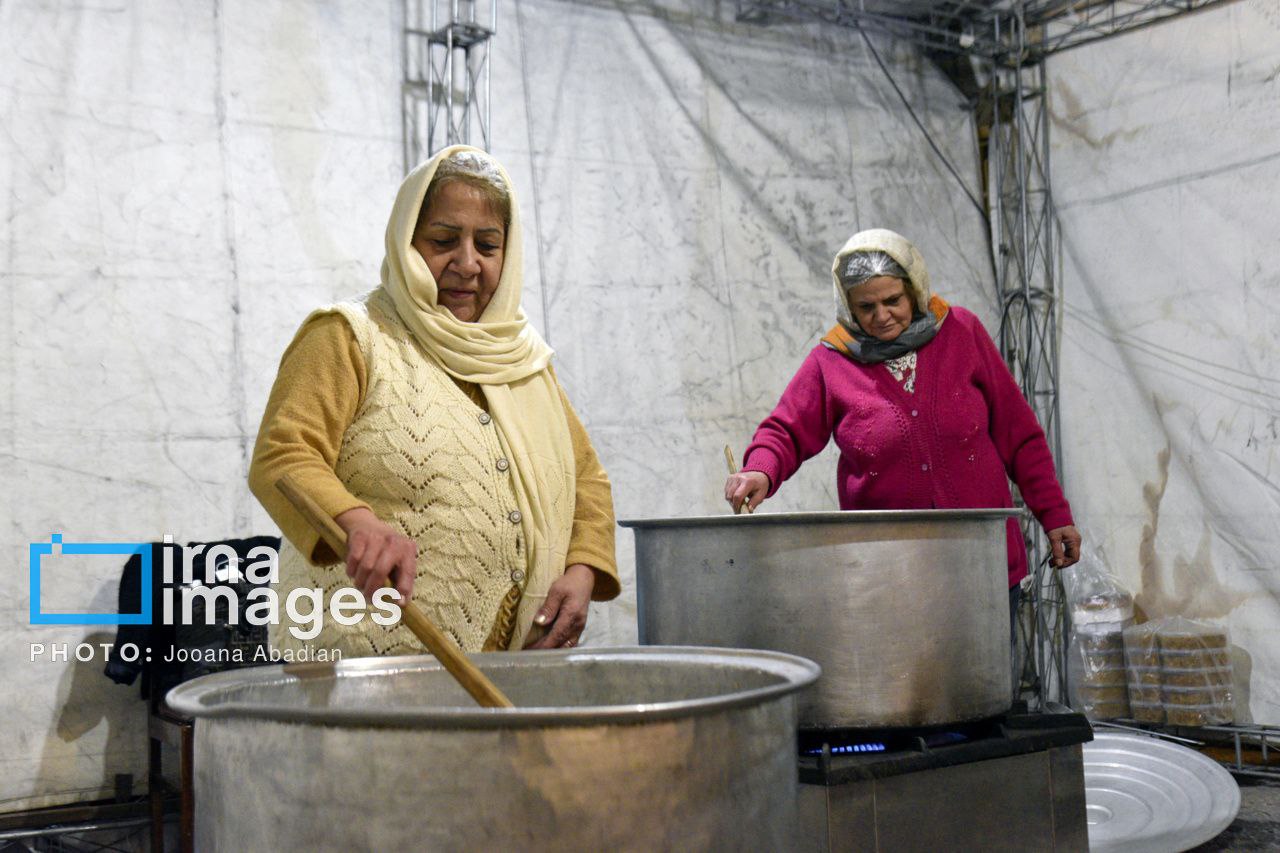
{"points": [[1257, 826]]}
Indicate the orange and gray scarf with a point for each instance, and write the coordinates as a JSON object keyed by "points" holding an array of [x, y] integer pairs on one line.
{"points": [[846, 337], [851, 342]]}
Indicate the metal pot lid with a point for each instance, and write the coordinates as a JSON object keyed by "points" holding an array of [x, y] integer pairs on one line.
{"points": [[858, 516], [1146, 794], [362, 691]]}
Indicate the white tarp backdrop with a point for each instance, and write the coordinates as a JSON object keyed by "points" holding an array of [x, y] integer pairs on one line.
{"points": [[182, 181], [177, 180], [1165, 163]]}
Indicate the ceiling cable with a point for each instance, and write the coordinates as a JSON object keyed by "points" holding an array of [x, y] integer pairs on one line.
{"points": [[928, 137]]}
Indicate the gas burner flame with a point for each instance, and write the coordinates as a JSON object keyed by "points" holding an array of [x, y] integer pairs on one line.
{"points": [[849, 749]]}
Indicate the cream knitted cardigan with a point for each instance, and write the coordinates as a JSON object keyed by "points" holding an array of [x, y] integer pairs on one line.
{"points": [[429, 462], [503, 354]]}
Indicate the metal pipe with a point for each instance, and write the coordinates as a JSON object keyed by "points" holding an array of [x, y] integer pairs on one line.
{"points": [[95, 826], [488, 74], [1107, 724], [468, 94], [997, 229], [450, 135], [1246, 771]]}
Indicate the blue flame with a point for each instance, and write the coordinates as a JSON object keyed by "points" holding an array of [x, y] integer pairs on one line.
{"points": [[849, 749]]}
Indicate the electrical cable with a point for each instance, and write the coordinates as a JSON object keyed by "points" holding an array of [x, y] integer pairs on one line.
{"points": [[533, 180], [928, 137]]}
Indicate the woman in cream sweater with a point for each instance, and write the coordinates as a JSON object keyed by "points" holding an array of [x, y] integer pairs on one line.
{"points": [[426, 419]]}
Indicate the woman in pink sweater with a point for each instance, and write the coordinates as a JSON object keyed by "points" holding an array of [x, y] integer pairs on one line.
{"points": [[922, 407]]}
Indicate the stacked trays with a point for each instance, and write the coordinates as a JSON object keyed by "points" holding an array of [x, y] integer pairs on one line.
{"points": [[1142, 665], [1096, 662], [1144, 794], [1179, 672], [1101, 687], [1195, 670]]}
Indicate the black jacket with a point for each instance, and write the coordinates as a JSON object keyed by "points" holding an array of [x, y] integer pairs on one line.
{"points": [[155, 640]]}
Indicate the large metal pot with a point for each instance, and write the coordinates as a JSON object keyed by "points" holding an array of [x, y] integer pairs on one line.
{"points": [[620, 748], [906, 611]]}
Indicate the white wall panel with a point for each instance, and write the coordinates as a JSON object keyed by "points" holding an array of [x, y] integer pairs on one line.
{"points": [[694, 179], [181, 182]]}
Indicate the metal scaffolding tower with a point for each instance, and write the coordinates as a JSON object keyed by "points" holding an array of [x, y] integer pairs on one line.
{"points": [[1026, 252], [445, 91], [1056, 25], [967, 27]]}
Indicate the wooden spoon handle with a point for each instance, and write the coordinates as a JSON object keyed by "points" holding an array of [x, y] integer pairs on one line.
{"points": [[484, 691], [733, 469]]}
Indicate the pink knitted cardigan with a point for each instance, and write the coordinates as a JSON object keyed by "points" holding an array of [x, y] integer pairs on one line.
{"points": [[948, 445]]}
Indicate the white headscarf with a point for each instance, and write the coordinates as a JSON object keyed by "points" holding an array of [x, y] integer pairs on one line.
{"points": [[895, 246], [509, 360], [847, 337], [500, 346]]}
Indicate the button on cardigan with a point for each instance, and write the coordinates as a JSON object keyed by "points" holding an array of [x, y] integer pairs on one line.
{"points": [[954, 443]]}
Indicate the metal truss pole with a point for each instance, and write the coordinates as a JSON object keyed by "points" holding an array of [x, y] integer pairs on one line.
{"points": [[962, 27], [446, 82], [1064, 24], [1027, 252]]}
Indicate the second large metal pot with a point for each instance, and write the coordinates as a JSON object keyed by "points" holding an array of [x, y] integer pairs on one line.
{"points": [[906, 611], [606, 749]]}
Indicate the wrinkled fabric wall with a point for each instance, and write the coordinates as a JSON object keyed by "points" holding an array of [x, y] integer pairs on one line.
{"points": [[182, 182], [1165, 160], [178, 181], [692, 181]]}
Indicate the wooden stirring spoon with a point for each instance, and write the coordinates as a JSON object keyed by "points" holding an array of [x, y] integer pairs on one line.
{"points": [[733, 469], [475, 682]]}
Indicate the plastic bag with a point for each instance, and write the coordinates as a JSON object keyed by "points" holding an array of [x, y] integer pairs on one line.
{"points": [[1100, 610], [1142, 670]]}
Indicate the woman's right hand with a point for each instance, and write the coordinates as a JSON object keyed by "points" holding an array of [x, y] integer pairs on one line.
{"points": [[746, 487], [376, 552]]}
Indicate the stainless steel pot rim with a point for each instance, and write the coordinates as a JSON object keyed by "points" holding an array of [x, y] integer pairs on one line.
{"points": [[205, 697], [859, 516]]}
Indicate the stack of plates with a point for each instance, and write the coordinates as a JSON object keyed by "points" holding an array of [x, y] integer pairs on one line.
{"points": [[1145, 794]]}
